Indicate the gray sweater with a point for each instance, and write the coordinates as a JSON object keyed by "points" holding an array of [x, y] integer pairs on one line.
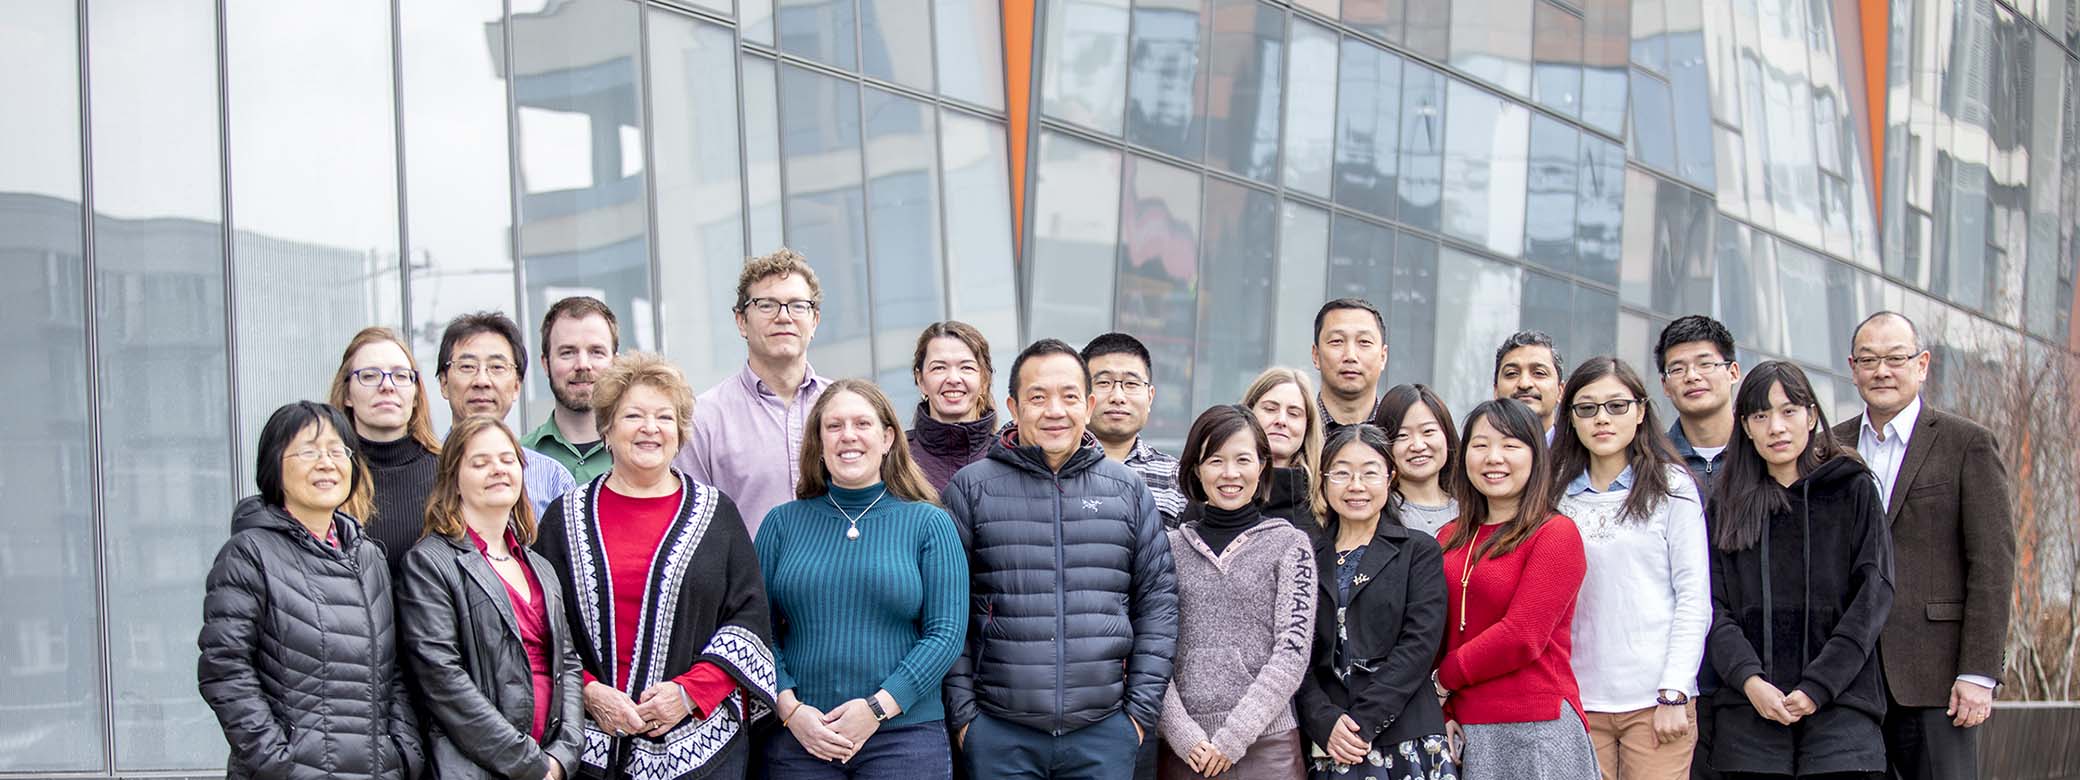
{"points": [[1245, 624]]}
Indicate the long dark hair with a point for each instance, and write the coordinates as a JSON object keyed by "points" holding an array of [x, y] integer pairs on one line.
{"points": [[1650, 454], [1393, 409], [1513, 420], [1746, 495], [1371, 436]]}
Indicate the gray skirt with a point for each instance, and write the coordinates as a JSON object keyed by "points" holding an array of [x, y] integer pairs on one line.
{"points": [[1556, 749]]}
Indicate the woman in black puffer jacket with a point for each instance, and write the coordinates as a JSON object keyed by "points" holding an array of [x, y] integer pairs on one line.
{"points": [[298, 640]]}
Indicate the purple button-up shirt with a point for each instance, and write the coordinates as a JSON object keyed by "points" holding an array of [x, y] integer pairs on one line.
{"points": [[738, 428]]}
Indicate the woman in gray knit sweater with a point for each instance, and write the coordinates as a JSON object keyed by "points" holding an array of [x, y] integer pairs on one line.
{"points": [[1245, 604]]}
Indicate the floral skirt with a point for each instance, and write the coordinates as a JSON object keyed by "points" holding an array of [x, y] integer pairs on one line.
{"points": [[1416, 759]]}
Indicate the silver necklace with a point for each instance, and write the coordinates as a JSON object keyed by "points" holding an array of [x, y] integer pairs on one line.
{"points": [[852, 520]]}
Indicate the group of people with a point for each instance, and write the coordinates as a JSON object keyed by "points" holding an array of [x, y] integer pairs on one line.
{"points": [[776, 578]]}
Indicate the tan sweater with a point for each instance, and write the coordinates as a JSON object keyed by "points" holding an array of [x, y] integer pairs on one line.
{"points": [[1245, 624]]}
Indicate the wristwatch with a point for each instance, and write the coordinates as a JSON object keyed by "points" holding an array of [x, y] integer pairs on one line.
{"points": [[874, 704], [1663, 698]]}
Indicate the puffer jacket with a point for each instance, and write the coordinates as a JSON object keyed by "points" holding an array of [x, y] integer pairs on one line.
{"points": [[299, 653], [1074, 612]]}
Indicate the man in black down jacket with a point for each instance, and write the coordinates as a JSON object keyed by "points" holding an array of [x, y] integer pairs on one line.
{"points": [[1075, 599]]}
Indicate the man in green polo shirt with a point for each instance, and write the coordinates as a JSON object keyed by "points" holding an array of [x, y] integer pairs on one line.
{"points": [[579, 339]]}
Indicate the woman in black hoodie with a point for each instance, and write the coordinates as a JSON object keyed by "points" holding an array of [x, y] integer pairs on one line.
{"points": [[1801, 583]]}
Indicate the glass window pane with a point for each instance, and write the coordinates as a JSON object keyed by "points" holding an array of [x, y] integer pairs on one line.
{"points": [[762, 154], [756, 19], [1731, 171], [821, 30], [1368, 108], [1495, 44], [1649, 34], [1361, 261], [2041, 273], [1485, 170], [1158, 281], [1165, 80], [1595, 322], [1381, 18], [1556, 69], [1692, 94], [1468, 334], [1682, 251], [896, 43], [49, 623], [1303, 253], [970, 51], [166, 456], [325, 255], [903, 231], [978, 226], [1084, 68], [1548, 306], [1242, 107], [1636, 271], [1652, 140], [1606, 35], [1428, 26], [1412, 311], [1550, 193], [826, 211], [1310, 112], [700, 226], [1600, 209], [1076, 233], [1802, 276], [1748, 286], [1241, 233], [1422, 145]]}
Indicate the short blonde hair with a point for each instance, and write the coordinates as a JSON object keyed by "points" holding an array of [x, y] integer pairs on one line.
{"points": [[782, 262], [648, 369]]}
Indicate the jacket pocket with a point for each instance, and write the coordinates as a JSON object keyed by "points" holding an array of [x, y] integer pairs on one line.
{"points": [[1930, 489], [1945, 611]]}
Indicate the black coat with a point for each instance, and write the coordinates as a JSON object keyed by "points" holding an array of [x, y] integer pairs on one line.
{"points": [[1074, 611], [1803, 608], [1395, 624], [463, 642], [299, 653]]}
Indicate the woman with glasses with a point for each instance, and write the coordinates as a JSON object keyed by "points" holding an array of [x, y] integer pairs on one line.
{"points": [[1640, 621], [298, 643], [1366, 704], [1245, 613], [1801, 578], [377, 385], [1419, 425], [955, 420]]}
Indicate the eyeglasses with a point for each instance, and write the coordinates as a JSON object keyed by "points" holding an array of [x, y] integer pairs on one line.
{"points": [[1895, 360], [312, 454], [373, 377], [1343, 477], [1616, 406], [768, 307], [498, 369], [1702, 367], [1127, 386]]}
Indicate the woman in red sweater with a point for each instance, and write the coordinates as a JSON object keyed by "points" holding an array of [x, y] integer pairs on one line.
{"points": [[1512, 569]]}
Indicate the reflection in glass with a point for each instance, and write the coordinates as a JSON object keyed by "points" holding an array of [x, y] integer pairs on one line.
{"points": [[1649, 34], [969, 42], [700, 227], [1548, 305], [1485, 170], [821, 30], [1310, 112], [978, 226], [1076, 232], [1493, 293], [1412, 311], [1303, 253], [1600, 209], [1495, 44], [1691, 94], [1652, 141], [902, 156], [1595, 324], [1422, 145], [895, 42], [1242, 107], [762, 154], [1556, 59], [159, 287], [1165, 83], [1682, 279], [2041, 277], [1361, 260], [755, 17], [1606, 35], [1381, 18], [1084, 69], [1159, 278], [1368, 111], [49, 623], [1802, 278], [826, 211], [1428, 24], [1550, 191], [1747, 289], [1241, 233]]}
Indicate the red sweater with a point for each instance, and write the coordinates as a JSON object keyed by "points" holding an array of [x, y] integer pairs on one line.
{"points": [[1510, 662], [630, 530]]}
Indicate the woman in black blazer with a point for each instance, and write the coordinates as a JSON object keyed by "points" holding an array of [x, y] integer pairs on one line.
{"points": [[1366, 704], [484, 622]]}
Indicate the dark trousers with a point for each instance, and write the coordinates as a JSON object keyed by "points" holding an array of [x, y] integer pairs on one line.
{"points": [[1700, 768], [916, 751], [1922, 744], [1002, 750], [1825, 776]]}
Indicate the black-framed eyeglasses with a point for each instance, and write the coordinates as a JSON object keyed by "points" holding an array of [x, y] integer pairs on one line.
{"points": [[373, 377], [1894, 360], [1702, 367], [1127, 386], [1616, 406], [771, 306]]}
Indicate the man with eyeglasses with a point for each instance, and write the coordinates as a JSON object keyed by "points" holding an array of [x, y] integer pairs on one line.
{"points": [[1122, 391], [1945, 493], [479, 369], [747, 429], [1695, 357]]}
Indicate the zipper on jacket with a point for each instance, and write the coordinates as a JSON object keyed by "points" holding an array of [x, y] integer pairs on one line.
{"points": [[1769, 645], [1061, 605]]}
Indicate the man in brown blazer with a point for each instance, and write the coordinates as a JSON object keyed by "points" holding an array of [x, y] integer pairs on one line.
{"points": [[1946, 497]]}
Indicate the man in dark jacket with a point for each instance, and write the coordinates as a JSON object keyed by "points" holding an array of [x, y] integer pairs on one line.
{"points": [[1946, 497], [1074, 620]]}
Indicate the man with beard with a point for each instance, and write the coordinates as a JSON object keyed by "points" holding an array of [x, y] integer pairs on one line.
{"points": [[1527, 368], [579, 339]]}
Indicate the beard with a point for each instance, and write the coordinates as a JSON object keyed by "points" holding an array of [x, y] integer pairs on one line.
{"points": [[568, 400]]}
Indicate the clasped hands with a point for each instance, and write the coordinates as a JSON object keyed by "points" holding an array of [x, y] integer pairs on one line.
{"points": [[1775, 705], [652, 713], [839, 734]]}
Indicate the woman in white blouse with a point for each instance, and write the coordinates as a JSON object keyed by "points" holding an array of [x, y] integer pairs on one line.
{"points": [[1641, 618]]}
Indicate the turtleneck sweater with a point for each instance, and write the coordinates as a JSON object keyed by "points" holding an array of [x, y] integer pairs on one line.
{"points": [[1217, 527], [942, 448], [403, 473]]}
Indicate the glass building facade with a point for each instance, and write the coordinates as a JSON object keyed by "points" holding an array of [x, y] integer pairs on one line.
{"points": [[201, 201]]}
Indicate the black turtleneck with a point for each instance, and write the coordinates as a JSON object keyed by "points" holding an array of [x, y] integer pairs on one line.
{"points": [[1218, 527], [403, 472]]}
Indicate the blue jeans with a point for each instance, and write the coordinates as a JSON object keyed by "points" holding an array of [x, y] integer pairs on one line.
{"points": [[915, 751], [1002, 750]]}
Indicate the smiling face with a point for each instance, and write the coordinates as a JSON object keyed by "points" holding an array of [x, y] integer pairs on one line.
{"points": [[1229, 473], [1529, 374], [1120, 413], [579, 349], [317, 471], [1888, 389], [489, 478], [645, 433], [1606, 434], [1356, 483], [1050, 405], [855, 442], [1420, 446], [1282, 413], [1781, 431], [1696, 390], [483, 376], [381, 412], [1349, 352], [951, 382], [1499, 466], [779, 337]]}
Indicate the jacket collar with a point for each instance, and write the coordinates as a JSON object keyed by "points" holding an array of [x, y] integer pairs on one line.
{"points": [[1032, 460], [952, 438], [1382, 549]]}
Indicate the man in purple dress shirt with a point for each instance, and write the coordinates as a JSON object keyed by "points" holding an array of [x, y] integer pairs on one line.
{"points": [[747, 430]]}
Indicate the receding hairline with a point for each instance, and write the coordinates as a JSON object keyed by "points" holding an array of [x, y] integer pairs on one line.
{"points": [[1913, 332], [1020, 385]]}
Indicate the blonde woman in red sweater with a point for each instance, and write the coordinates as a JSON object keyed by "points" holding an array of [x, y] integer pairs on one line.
{"points": [[1512, 570]]}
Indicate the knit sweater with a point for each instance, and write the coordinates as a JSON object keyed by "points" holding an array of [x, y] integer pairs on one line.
{"points": [[1507, 641], [1244, 634], [403, 473], [887, 610]]}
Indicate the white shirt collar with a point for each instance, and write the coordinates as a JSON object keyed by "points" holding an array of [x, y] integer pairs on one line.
{"points": [[1901, 426]]}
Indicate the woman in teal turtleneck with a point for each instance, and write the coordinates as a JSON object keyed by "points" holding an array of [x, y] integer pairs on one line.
{"points": [[869, 590]]}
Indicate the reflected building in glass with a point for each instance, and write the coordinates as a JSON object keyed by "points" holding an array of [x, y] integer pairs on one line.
{"points": [[202, 200]]}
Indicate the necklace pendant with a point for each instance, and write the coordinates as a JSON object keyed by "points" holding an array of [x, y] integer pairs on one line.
{"points": [[852, 533]]}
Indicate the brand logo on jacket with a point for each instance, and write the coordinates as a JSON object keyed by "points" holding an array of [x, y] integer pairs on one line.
{"points": [[1091, 504]]}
